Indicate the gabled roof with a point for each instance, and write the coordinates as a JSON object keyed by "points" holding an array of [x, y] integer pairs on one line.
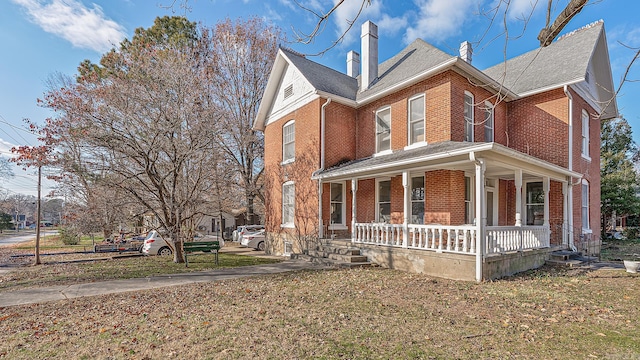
{"points": [[415, 59], [563, 62], [323, 78]]}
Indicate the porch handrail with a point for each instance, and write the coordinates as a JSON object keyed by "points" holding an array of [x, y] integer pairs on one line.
{"points": [[501, 239]]}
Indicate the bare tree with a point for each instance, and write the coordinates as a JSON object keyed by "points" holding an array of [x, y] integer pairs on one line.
{"points": [[241, 60]]}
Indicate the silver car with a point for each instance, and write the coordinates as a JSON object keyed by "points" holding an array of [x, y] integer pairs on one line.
{"points": [[154, 244]]}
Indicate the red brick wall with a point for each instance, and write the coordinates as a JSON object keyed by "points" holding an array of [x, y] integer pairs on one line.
{"points": [[340, 134], [444, 197], [366, 201]]}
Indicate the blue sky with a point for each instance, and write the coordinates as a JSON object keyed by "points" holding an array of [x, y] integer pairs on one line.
{"points": [[42, 37]]}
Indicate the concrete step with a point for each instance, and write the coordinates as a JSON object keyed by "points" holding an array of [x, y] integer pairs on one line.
{"points": [[564, 255], [349, 258]]}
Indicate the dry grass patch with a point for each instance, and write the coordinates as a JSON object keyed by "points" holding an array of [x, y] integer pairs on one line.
{"points": [[355, 314]]}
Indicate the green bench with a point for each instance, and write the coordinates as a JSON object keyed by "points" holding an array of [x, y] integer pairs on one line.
{"points": [[200, 246]]}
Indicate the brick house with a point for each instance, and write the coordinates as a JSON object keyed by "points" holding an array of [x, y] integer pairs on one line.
{"points": [[403, 157]]}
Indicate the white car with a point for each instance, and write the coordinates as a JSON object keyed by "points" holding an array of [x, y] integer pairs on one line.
{"points": [[244, 230], [154, 244], [254, 240]]}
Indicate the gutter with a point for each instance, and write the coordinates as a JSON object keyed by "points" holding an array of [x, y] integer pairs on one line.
{"points": [[570, 164]]}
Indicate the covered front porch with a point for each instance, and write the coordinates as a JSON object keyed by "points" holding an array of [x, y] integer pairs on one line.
{"points": [[451, 203]]}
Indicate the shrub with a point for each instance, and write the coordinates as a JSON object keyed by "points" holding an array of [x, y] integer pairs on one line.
{"points": [[631, 232], [69, 236]]}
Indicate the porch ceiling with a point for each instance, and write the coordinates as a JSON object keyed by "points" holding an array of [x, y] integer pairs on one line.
{"points": [[502, 162]]}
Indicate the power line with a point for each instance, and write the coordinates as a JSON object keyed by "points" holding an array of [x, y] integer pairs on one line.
{"points": [[15, 128]]}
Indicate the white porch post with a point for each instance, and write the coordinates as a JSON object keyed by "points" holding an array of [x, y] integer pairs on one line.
{"points": [[546, 188], [518, 184], [481, 217], [565, 213], [570, 215], [407, 209], [354, 189]]}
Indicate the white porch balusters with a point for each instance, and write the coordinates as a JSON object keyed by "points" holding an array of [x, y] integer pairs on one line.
{"points": [[407, 208], [354, 189]]}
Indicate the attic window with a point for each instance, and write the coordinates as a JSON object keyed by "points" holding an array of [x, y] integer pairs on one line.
{"points": [[288, 91]]}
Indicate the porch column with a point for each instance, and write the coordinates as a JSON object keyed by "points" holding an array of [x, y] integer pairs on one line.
{"points": [[546, 188], [354, 189], [481, 217], [407, 208], [518, 184], [565, 213]]}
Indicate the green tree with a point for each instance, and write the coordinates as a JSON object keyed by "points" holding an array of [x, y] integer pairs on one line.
{"points": [[619, 177], [5, 222]]}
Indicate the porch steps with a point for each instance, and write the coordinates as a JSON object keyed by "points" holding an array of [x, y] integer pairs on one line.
{"points": [[338, 253], [569, 258]]}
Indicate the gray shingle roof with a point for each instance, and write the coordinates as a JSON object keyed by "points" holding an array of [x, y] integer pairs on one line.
{"points": [[323, 78], [416, 154], [414, 59], [565, 60]]}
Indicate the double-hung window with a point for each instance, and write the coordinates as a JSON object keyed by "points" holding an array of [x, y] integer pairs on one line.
{"points": [[289, 141], [384, 201], [468, 200], [585, 134], [417, 200], [468, 116], [288, 203], [535, 203], [416, 119], [383, 130], [337, 204], [488, 121], [585, 205]]}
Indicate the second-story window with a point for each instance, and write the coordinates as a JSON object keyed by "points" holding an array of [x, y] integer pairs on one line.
{"points": [[289, 141], [383, 130], [488, 122], [468, 116], [585, 134], [416, 119]]}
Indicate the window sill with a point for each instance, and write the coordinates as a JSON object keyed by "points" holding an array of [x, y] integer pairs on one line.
{"points": [[382, 153], [338, 227], [287, 226], [288, 161], [416, 145], [587, 231], [586, 157]]}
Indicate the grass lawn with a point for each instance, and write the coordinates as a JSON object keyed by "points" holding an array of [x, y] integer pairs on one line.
{"points": [[341, 314]]}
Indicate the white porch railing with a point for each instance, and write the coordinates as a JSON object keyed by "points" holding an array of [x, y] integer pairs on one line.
{"points": [[450, 238], [441, 238], [501, 239]]}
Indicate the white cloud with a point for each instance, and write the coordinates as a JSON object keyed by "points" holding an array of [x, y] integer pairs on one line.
{"points": [[391, 25], [83, 27], [522, 9], [348, 11], [5, 148], [439, 19]]}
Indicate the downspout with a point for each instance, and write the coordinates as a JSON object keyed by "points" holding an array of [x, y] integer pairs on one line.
{"points": [[322, 133], [570, 165]]}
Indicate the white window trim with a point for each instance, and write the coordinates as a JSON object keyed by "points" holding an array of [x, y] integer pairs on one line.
{"points": [[472, 121], [489, 107], [284, 249], [288, 161], [378, 181], [585, 135], [472, 201], [342, 225], [383, 152], [525, 203], [424, 195], [586, 230], [290, 224], [424, 125]]}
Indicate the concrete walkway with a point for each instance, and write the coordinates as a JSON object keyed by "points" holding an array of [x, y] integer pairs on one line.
{"points": [[65, 292]]}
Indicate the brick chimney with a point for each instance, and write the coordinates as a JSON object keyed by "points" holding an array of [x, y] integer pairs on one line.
{"points": [[369, 43], [353, 64]]}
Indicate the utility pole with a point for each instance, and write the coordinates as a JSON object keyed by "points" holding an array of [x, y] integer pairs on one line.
{"points": [[37, 254]]}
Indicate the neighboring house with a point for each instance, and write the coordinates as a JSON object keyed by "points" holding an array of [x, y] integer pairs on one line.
{"points": [[222, 224], [428, 164]]}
